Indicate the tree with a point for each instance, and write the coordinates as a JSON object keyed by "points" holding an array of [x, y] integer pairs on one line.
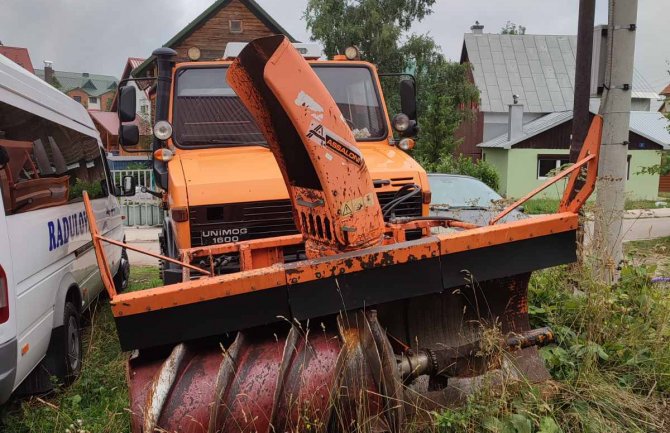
{"points": [[376, 27], [379, 28], [512, 29]]}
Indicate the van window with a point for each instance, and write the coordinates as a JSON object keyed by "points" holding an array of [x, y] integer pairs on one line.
{"points": [[49, 164]]}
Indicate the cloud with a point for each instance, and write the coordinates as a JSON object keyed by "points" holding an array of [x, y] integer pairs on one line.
{"points": [[97, 36]]}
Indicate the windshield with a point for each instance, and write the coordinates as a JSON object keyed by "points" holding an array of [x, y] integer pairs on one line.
{"points": [[457, 191], [207, 112]]}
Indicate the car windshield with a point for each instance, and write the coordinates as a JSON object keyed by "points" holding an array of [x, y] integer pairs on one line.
{"points": [[460, 192], [207, 112]]}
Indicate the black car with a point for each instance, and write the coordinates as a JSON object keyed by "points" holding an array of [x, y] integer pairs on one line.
{"points": [[467, 199]]}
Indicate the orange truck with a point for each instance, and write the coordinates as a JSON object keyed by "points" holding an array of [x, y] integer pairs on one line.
{"points": [[382, 322], [220, 183]]}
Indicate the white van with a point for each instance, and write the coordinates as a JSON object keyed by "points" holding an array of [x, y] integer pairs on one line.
{"points": [[49, 152]]}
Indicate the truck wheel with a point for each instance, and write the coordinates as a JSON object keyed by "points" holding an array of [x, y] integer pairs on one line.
{"points": [[71, 341], [123, 274]]}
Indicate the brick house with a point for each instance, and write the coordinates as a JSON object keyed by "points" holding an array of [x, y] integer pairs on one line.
{"points": [[93, 91]]}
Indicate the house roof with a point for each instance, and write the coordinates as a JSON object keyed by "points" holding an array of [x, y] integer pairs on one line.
{"points": [[254, 7], [666, 91], [648, 124], [109, 121], [538, 68], [19, 56], [91, 84], [131, 64]]}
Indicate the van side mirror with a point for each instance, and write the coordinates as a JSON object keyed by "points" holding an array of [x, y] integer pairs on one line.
{"points": [[127, 104], [4, 157], [129, 134], [408, 98], [128, 185]]}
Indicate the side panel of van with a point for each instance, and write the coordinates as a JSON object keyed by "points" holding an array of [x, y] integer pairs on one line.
{"points": [[60, 256], [8, 351]]}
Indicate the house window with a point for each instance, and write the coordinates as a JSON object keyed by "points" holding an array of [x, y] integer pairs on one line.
{"points": [[549, 165], [143, 109], [77, 98], [92, 100], [235, 26]]}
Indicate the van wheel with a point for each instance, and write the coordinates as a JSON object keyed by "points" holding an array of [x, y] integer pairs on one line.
{"points": [[72, 353], [123, 274]]}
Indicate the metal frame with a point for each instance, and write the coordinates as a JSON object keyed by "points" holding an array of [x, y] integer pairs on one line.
{"points": [[262, 259]]}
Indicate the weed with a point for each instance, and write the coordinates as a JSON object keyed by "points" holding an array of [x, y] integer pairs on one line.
{"points": [[611, 366]]}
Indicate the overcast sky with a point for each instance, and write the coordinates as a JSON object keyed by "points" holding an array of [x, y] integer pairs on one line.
{"points": [[97, 36]]}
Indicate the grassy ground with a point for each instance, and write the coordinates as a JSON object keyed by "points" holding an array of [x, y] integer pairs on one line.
{"points": [[550, 205], [97, 402], [610, 369]]}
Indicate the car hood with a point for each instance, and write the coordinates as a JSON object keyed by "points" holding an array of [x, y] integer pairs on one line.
{"points": [[480, 217]]}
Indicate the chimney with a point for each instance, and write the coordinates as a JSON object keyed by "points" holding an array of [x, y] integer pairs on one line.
{"points": [[515, 121], [48, 71], [477, 29]]}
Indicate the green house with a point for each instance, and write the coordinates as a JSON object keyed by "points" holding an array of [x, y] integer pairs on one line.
{"points": [[530, 153]]}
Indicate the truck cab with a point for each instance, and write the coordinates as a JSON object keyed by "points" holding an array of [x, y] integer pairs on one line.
{"points": [[220, 181]]}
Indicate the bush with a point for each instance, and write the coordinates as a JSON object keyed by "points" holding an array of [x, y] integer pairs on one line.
{"points": [[479, 169]]}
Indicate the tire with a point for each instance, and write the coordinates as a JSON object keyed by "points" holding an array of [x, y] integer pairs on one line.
{"points": [[122, 276], [71, 353]]}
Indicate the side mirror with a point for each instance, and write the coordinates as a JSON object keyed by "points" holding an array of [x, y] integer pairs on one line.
{"points": [[4, 157], [129, 135], [127, 104], [408, 98], [128, 185]]}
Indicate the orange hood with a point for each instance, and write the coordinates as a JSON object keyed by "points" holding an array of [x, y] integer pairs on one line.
{"points": [[231, 175], [244, 174]]}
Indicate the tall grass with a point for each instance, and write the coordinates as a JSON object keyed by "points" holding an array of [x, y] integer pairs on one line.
{"points": [[610, 368]]}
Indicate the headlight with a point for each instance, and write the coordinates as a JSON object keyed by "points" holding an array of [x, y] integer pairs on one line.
{"points": [[406, 144], [401, 122], [351, 53], [163, 130]]}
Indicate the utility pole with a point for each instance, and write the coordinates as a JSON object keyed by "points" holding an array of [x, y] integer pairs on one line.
{"points": [[581, 116], [612, 170]]}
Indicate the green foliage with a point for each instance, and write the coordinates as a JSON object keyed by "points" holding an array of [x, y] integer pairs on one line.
{"points": [[663, 168], [445, 94], [94, 189], [550, 205], [96, 402], [610, 366], [375, 27], [479, 169], [512, 29], [379, 29]]}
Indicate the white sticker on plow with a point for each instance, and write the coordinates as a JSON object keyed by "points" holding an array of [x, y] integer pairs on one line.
{"points": [[304, 100]]}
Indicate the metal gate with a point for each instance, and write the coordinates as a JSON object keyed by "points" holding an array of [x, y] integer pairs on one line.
{"points": [[142, 209]]}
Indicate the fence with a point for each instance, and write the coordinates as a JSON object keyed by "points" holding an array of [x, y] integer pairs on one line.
{"points": [[142, 209], [664, 183]]}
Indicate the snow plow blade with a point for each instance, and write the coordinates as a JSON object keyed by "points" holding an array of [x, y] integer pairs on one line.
{"points": [[371, 332]]}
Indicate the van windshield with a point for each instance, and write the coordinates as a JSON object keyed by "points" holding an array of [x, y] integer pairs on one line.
{"points": [[207, 112]]}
